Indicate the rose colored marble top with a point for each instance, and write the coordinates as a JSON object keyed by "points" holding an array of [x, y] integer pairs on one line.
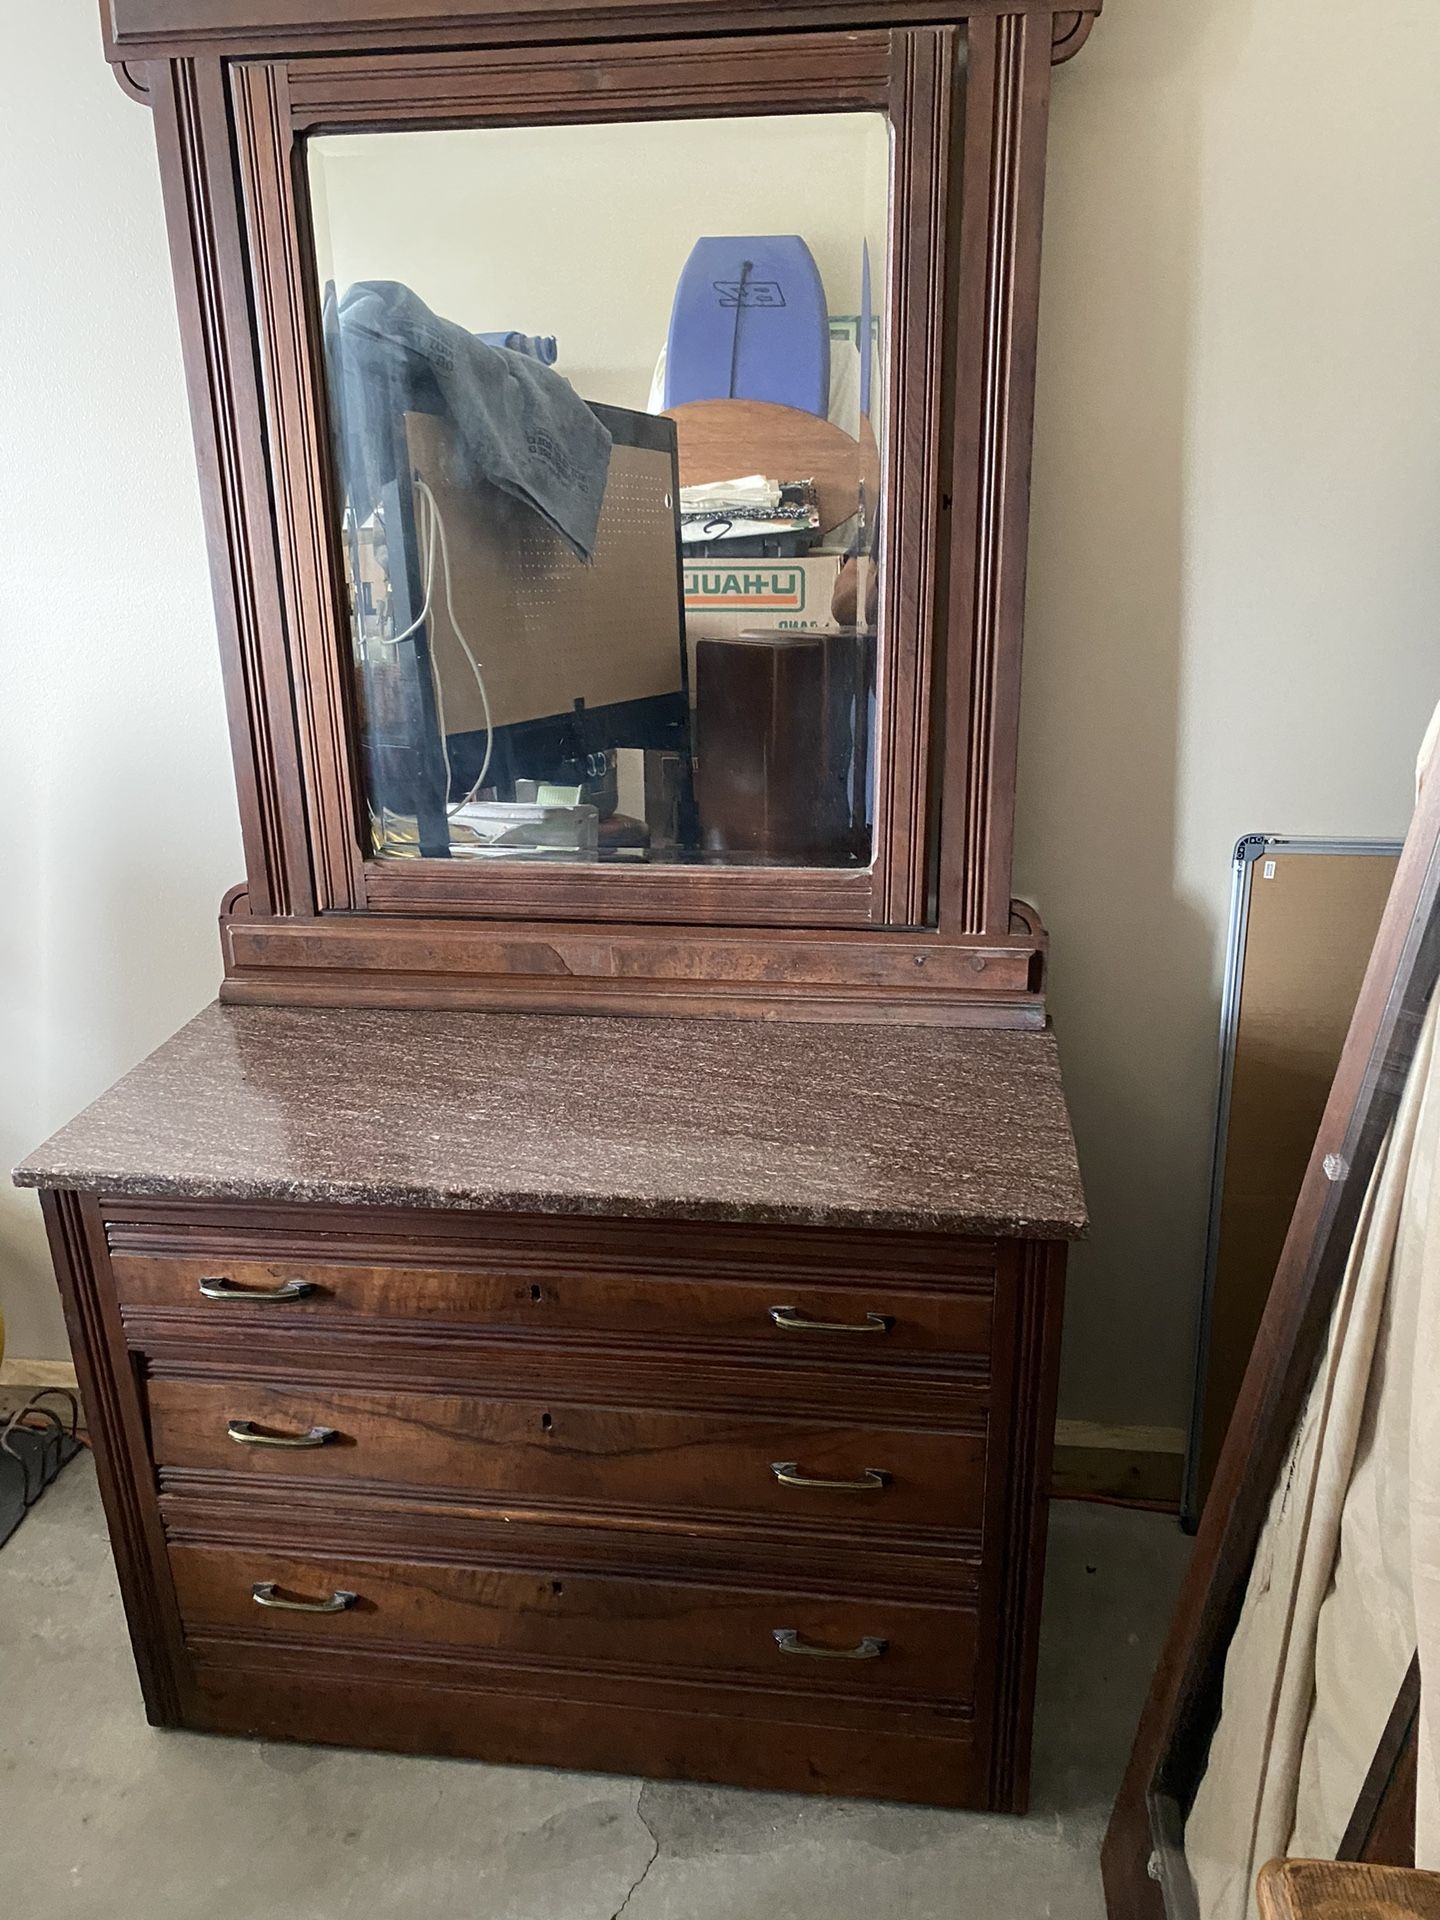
{"points": [[942, 1129]]}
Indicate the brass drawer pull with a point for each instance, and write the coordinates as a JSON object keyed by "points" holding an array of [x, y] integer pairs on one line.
{"points": [[793, 1321], [221, 1289], [246, 1434], [264, 1594], [789, 1641], [788, 1473]]}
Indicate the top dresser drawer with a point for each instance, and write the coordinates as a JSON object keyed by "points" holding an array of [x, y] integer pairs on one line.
{"points": [[802, 1314]]}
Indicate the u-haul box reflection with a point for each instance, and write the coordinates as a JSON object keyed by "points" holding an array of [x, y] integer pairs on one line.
{"points": [[725, 599]]}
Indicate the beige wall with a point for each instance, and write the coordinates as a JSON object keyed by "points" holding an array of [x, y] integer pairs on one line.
{"points": [[1235, 572], [1234, 586], [115, 791]]}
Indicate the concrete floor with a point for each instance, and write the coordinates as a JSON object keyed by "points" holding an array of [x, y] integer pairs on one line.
{"points": [[102, 1816]]}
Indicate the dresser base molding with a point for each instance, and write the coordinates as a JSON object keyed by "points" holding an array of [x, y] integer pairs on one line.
{"points": [[916, 977], [656, 1742]]}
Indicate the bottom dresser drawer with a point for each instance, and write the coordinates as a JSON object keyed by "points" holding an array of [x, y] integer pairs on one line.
{"points": [[796, 1742], [876, 1647]]}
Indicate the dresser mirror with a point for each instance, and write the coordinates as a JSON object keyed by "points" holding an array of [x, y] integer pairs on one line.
{"points": [[606, 407], [616, 454]]}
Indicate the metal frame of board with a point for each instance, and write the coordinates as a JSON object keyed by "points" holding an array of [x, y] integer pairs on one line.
{"points": [[1249, 850]]}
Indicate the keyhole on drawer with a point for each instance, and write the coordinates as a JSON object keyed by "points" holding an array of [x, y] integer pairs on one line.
{"points": [[546, 1422], [557, 1587], [537, 1293]]}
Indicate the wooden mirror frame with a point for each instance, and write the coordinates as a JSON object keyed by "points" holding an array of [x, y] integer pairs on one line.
{"points": [[929, 932]]}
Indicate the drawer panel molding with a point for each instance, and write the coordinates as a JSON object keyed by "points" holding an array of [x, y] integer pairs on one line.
{"points": [[369, 1358], [214, 1511], [685, 1250]]}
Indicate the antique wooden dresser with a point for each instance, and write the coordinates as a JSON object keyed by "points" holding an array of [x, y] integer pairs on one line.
{"points": [[654, 1427], [589, 1291]]}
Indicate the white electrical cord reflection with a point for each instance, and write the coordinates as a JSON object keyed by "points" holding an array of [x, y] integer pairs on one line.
{"points": [[436, 526], [430, 527]]}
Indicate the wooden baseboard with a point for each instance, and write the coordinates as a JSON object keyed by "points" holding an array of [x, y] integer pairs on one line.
{"points": [[1128, 1466], [37, 1373]]}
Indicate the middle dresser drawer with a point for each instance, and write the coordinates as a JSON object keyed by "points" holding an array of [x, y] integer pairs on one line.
{"points": [[512, 1450]]}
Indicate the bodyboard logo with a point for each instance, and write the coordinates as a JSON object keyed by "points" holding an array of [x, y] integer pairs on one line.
{"points": [[749, 293]]}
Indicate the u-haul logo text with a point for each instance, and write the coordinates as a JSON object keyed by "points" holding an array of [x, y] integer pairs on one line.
{"points": [[747, 589]]}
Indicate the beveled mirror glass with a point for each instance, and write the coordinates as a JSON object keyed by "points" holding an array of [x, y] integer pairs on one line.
{"points": [[606, 407]]}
